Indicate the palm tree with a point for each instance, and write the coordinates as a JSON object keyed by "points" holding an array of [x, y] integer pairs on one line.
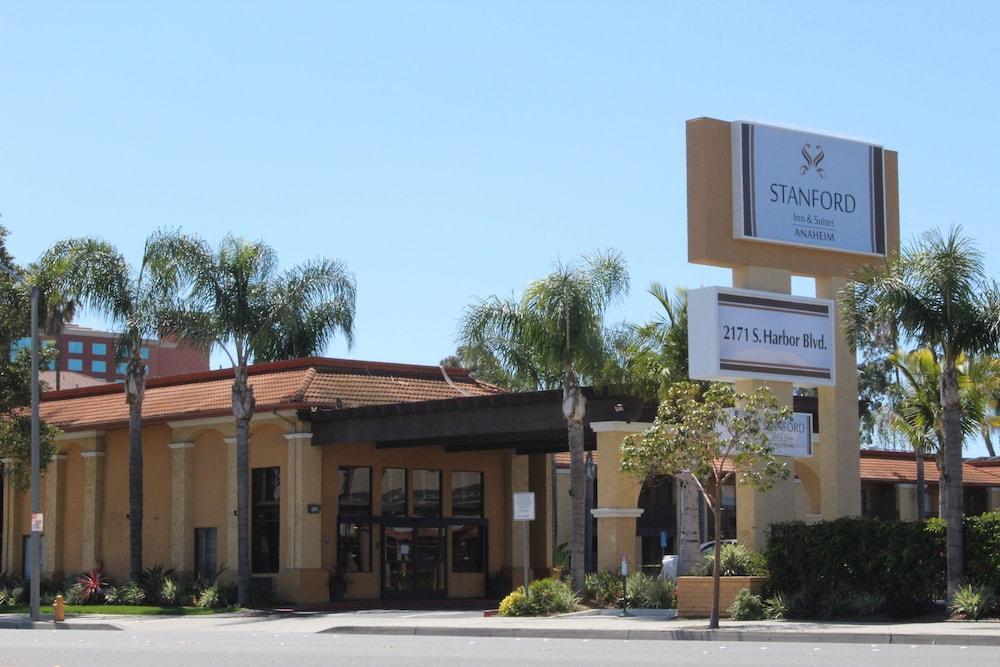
{"points": [[235, 300], [936, 292], [95, 274], [557, 324]]}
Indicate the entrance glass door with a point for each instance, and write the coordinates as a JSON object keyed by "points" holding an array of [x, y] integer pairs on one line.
{"points": [[413, 561]]}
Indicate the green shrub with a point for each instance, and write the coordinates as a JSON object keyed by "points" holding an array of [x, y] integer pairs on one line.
{"points": [[747, 606], [972, 602], [170, 593], [562, 558], [515, 604], [151, 581], [735, 560], [128, 593], [649, 592], [551, 596], [852, 567], [603, 589], [544, 597], [209, 598], [775, 607]]}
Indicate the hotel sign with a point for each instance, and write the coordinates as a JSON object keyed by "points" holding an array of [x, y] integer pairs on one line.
{"points": [[736, 334], [792, 437], [807, 189]]}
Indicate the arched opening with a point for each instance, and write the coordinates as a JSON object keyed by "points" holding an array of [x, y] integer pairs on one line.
{"points": [[656, 528]]}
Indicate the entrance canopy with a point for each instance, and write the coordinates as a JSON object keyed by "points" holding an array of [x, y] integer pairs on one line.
{"points": [[527, 422]]}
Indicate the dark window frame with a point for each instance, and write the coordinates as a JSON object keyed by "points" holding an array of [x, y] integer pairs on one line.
{"points": [[265, 520]]}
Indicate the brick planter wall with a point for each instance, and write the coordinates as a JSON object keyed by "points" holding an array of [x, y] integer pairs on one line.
{"points": [[694, 594]]}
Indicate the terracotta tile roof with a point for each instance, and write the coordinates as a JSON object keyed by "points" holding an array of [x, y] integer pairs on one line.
{"points": [[884, 466], [296, 383]]}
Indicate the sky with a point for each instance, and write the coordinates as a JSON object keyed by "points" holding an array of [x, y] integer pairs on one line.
{"points": [[448, 151]]}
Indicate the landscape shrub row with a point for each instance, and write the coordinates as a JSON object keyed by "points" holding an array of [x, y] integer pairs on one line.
{"points": [[156, 586], [856, 567]]}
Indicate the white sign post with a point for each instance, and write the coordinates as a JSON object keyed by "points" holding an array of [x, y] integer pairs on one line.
{"points": [[736, 334], [524, 511], [808, 189]]}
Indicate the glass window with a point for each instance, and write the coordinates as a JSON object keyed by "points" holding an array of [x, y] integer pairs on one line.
{"points": [[355, 491], [354, 546], [98, 366], [466, 493], [427, 493], [74, 364], [206, 552], [394, 491], [265, 492], [144, 352], [467, 548], [99, 349], [121, 368], [75, 347]]}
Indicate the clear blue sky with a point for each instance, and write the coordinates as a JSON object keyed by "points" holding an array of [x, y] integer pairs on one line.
{"points": [[448, 151]]}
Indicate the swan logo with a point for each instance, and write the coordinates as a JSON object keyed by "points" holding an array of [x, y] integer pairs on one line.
{"points": [[812, 160]]}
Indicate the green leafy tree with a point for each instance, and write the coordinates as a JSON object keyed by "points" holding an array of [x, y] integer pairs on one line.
{"points": [[936, 292], [716, 435], [556, 327], [94, 274], [235, 300]]}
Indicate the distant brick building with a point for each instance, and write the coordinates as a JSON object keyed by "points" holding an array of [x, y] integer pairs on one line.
{"points": [[92, 352]]}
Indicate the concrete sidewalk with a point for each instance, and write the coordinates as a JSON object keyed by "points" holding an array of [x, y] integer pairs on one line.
{"points": [[569, 626]]}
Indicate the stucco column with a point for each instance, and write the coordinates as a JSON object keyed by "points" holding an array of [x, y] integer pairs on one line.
{"points": [[617, 497], [11, 556], [838, 450], [306, 580], [518, 481], [181, 528], [54, 508], [232, 548], [756, 511], [93, 507], [906, 502], [540, 482]]}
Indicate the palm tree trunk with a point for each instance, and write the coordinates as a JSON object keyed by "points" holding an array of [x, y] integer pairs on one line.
{"points": [[921, 491], [135, 389], [554, 481], [688, 535], [988, 441], [574, 408], [243, 407], [951, 418], [713, 621]]}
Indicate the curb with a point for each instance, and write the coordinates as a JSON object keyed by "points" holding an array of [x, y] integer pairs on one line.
{"points": [[672, 635], [28, 624]]}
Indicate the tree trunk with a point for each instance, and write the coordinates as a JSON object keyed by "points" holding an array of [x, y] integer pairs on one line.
{"points": [[988, 441], [713, 621], [574, 408], [554, 480], [58, 358], [135, 390], [243, 407], [921, 490], [951, 486], [688, 535]]}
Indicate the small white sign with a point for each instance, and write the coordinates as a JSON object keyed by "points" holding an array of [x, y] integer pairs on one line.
{"points": [[37, 522], [808, 189], [736, 334], [624, 565], [792, 437], [524, 507]]}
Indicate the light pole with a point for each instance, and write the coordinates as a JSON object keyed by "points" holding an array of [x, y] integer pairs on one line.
{"points": [[34, 543]]}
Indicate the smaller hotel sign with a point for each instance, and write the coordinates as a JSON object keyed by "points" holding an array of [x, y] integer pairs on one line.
{"points": [[792, 437], [736, 334], [807, 189]]}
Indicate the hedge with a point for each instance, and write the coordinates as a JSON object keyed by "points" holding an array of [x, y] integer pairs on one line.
{"points": [[857, 567]]}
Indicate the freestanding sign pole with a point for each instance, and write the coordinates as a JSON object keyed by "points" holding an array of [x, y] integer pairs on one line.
{"points": [[524, 511], [36, 528]]}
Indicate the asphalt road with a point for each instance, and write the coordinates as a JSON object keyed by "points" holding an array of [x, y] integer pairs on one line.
{"points": [[70, 648]]}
